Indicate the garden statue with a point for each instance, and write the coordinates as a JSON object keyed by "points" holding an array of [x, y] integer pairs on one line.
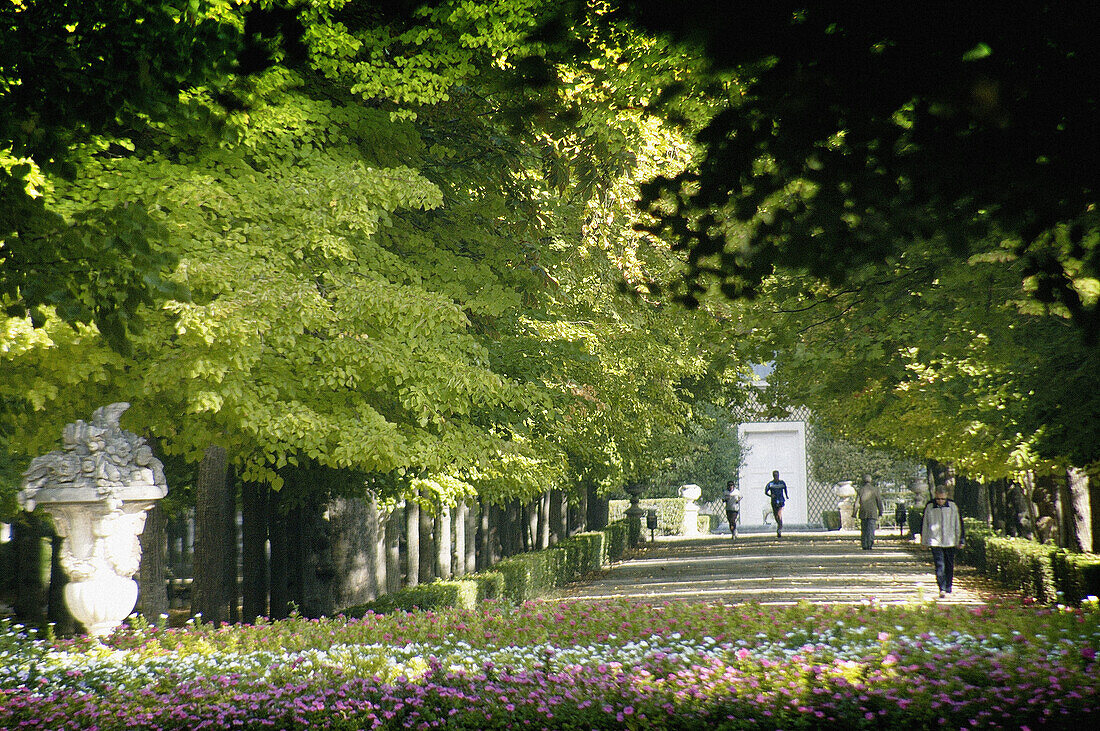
{"points": [[690, 493], [846, 503], [97, 489]]}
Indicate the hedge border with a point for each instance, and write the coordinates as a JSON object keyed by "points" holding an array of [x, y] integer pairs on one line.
{"points": [[517, 578], [1046, 573]]}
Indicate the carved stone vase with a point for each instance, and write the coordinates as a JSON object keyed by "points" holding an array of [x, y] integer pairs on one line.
{"points": [[690, 493], [846, 504], [97, 490]]}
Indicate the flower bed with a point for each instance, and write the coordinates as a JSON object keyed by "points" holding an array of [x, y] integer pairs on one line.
{"points": [[574, 665]]}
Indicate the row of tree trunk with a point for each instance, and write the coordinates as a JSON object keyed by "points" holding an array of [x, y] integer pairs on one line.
{"points": [[302, 550], [1061, 508]]}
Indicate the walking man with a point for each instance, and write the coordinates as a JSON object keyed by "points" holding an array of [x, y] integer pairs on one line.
{"points": [[733, 506], [870, 510], [943, 532], [777, 491]]}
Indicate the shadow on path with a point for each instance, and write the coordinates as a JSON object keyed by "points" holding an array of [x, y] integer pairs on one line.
{"points": [[822, 567]]}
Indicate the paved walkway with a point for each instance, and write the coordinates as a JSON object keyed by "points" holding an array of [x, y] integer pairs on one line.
{"points": [[821, 567]]}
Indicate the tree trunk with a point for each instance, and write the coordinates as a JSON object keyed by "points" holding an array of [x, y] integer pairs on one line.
{"points": [[412, 542], [511, 537], [30, 546], [211, 544], [486, 537], [1028, 490], [280, 560], [942, 475], [580, 517], [317, 571], [393, 551], [376, 527], [254, 520], [1079, 536], [354, 539], [1094, 510], [543, 525], [1063, 512], [1018, 508], [556, 517], [471, 518], [997, 513], [152, 576], [460, 538], [443, 543], [597, 510], [529, 517], [427, 546], [230, 577]]}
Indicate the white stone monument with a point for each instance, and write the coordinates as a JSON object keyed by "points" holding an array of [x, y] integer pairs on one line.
{"points": [[97, 489], [690, 493], [846, 504], [772, 446]]}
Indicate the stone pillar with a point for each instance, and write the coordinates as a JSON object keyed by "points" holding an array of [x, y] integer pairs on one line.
{"points": [[98, 489]]}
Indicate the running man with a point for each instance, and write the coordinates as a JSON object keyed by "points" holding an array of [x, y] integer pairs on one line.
{"points": [[777, 491]]}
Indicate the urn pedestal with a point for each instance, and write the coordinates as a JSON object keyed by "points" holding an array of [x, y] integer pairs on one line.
{"points": [[97, 491], [690, 493], [846, 503], [634, 513]]}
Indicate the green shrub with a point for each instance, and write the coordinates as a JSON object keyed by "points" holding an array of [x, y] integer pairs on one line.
{"points": [[831, 519], [618, 537], [490, 585], [1022, 564], [1077, 575], [707, 523], [461, 593], [974, 552]]}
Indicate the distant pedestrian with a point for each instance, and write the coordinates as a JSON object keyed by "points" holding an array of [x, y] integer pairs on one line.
{"points": [[901, 515], [870, 509], [733, 506], [777, 491], [942, 530]]}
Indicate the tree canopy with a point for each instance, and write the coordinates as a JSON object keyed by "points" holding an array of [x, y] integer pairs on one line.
{"points": [[860, 130], [386, 270]]}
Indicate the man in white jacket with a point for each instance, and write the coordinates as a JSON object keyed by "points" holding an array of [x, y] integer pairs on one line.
{"points": [[943, 532]]}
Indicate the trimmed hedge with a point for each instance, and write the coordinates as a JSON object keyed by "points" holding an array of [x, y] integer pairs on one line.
{"points": [[1077, 575], [517, 578], [830, 519], [461, 593], [1044, 572]]}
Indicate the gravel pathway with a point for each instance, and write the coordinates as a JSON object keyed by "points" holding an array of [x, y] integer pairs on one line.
{"points": [[820, 567]]}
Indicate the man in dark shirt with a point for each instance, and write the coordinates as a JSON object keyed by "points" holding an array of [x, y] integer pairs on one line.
{"points": [[777, 491]]}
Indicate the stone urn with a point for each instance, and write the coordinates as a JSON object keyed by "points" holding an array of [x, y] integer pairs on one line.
{"points": [[846, 503], [634, 513], [690, 493], [97, 489]]}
